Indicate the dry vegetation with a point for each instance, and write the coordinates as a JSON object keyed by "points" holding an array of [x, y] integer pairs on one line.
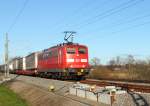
{"points": [[103, 72], [137, 70]]}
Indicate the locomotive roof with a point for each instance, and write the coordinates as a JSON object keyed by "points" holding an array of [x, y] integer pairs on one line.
{"points": [[59, 45], [64, 44]]}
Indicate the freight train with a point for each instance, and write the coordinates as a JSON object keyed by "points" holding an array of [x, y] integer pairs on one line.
{"points": [[64, 61]]}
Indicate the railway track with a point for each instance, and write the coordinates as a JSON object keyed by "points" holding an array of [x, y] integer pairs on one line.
{"points": [[129, 86], [137, 87]]}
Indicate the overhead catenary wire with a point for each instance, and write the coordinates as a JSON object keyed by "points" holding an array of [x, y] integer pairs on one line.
{"points": [[108, 13], [117, 10], [95, 8], [126, 29], [79, 11], [131, 27], [17, 16], [58, 24], [129, 21]]}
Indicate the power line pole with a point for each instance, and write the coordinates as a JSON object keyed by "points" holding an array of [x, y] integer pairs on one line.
{"points": [[6, 56]]}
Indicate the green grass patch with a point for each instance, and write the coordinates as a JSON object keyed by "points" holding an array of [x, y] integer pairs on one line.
{"points": [[9, 98]]}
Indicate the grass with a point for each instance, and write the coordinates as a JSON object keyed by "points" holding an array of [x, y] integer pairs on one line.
{"points": [[9, 98]]}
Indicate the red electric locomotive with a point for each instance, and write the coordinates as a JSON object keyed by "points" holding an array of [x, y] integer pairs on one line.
{"points": [[64, 61]]}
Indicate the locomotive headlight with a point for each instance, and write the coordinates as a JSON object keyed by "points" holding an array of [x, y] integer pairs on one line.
{"points": [[70, 60], [84, 60], [65, 70], [82, 70], [35, 71]]}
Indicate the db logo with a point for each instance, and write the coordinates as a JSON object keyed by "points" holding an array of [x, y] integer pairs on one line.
{"points": [[77, 60]]}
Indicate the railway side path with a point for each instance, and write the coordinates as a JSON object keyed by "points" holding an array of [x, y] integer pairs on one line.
{"points": [[36, 91]]}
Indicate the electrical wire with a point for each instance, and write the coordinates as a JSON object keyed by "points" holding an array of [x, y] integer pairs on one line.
{"points": [[95, 8], [131, 27], [128, 28], [121, 23], [17, 16], [109, 12], [74, 13]]}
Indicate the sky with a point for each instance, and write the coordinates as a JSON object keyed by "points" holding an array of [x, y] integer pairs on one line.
{"points": [[109, 28]]}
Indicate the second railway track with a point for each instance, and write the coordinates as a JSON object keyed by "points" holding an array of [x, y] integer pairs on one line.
{"points": [[137, 87]]}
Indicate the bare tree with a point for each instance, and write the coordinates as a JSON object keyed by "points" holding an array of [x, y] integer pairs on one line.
{"points": [[95, 61], [115, 61], [118, 60], [112, 62], [148, 61], [130, 59], [140, 62]]}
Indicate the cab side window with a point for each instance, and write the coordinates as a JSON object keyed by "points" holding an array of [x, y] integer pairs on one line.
{"points": [[71, 50], [82, 50]]}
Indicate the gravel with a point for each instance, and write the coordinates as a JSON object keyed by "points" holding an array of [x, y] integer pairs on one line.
{"points": [[133, 99]]}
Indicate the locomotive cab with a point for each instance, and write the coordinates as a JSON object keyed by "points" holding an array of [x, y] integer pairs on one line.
{"points": [[77, 59]]}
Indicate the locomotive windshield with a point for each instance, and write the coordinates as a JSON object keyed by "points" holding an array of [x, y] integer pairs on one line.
{"points": [[82, 51], [71, 50]]}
